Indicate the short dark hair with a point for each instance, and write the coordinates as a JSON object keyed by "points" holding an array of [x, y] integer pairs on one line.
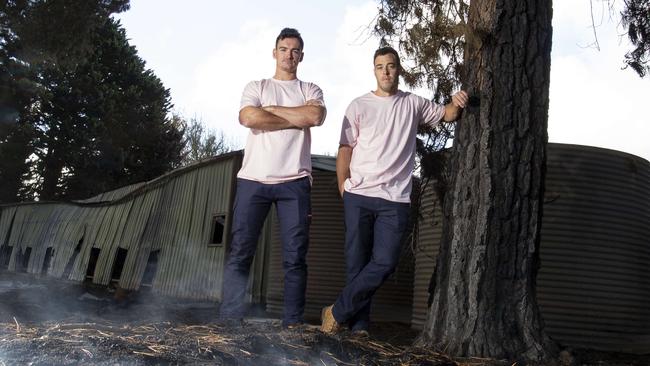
{"points": [[385, 51], [289, 33]]}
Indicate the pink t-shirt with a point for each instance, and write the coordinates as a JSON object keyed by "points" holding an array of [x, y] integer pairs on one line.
{"points": [[284, 155], [382, 132]]}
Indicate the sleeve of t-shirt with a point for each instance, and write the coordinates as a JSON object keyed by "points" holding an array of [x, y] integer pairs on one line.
{"points": [[432, 113], [350, 127], [314, 93], [251, 95]]}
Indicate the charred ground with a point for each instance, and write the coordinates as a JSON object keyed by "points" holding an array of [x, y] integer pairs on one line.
{"points": [[44, 322]]}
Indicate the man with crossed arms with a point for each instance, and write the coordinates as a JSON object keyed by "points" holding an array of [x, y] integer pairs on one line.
{"points": [[276, 169]]}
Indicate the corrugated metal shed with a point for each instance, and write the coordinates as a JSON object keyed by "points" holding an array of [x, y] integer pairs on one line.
{"points": [[429, 233], [170, 219], [115, 194], [326, 262], [173, 214], [593, 285]]}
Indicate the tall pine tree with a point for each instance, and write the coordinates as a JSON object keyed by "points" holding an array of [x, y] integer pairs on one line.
{"points": [[103, 123], [35, 34], [79, 112]]}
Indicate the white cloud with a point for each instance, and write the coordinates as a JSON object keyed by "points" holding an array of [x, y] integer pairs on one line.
{"points": [[344, 72], [592, 101], [218, 81]]}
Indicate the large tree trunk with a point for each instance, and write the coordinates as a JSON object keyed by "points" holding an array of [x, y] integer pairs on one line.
{"points": [[483, 303]]}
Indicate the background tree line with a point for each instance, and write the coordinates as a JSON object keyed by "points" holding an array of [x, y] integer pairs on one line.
{"points": [[79, 112]]}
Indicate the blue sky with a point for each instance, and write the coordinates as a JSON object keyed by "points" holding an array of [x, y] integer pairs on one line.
{"points": [[206, 51]]}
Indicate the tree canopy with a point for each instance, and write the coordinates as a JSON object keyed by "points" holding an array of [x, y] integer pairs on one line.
{"points": [[103, 123], [636, 18], [79, 112], [431, 36], [200, 143]]}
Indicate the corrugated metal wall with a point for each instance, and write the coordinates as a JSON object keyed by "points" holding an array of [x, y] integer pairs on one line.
{"points": [[428, 240], [594, 283], [115, 194], [172, 213], [326, 262]]}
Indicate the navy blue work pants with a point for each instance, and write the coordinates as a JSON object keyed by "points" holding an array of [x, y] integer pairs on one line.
{"points": [[252, 203], [374, 229]]}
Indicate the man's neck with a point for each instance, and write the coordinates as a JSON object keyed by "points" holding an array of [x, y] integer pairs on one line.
{"points": [[283, 75], [381, 93]]}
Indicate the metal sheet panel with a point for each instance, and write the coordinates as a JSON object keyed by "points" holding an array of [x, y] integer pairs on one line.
{"points": [[113, 195], [188, 266], [7, 214], [131, 238], [429, 232], [67, 236], [593, 284]]}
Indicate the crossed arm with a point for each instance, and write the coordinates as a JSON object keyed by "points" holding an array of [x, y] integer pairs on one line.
{"points": [[271, 118]]}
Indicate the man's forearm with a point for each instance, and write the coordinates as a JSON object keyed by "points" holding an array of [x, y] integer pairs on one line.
{"points": [[260, 119], [303, 117], [343, 159], [452, 113], [454, 108]]}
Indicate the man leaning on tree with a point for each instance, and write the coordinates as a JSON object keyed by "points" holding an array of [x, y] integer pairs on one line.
{"points": [[374, 165]]}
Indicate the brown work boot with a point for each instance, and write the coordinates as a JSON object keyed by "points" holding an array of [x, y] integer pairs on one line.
{"points": [[328, 323]]}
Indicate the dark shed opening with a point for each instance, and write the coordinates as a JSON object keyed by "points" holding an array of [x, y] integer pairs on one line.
{"points": [[92, 263], [5, 256], [22, 259], [118, 265], [150, 270], [46, 262], [218, 228]]}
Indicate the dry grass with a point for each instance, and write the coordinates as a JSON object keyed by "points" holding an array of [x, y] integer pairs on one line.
{"points": [[159, 343]]}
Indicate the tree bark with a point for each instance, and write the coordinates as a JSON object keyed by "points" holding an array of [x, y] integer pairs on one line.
{"points": [[483, 301]]}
